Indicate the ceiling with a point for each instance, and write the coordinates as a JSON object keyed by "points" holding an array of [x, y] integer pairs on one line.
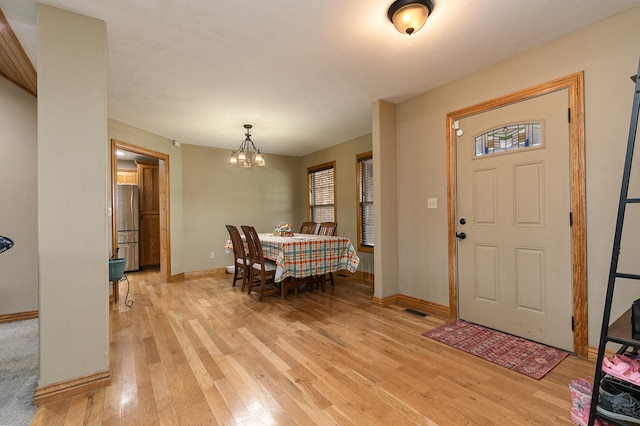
{"points": [[304, 73], [132, 156]]}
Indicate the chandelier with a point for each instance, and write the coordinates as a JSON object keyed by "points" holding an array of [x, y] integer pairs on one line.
{"points": [[247, 155]]}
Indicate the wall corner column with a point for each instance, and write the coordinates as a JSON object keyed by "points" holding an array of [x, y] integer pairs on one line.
{"points": [[72, 199], [385, 199]]}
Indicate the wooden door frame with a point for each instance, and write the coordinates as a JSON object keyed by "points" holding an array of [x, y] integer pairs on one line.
{"points": [[163, 184], [575, 85]]}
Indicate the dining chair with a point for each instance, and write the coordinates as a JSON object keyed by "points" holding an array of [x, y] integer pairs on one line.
{"points": [[308, 228], [261, 270], [329, 229], [240, 259]]}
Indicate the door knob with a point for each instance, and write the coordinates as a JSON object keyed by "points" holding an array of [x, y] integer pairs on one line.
{"points": [[463, 221], [461, 235]]}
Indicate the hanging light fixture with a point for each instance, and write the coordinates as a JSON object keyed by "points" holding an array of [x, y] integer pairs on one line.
{"points": [[247, 155], [408, 16]]}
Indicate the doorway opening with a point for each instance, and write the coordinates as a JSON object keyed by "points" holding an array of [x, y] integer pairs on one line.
{"points": [[163, 201], [575, 85]]}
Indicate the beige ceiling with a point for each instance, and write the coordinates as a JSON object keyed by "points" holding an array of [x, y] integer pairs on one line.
{"points": [[304, 73]]}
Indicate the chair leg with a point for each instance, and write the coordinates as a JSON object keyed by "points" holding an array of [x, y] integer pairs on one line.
{"points": [[262, 285], [244, 277], [235, 275], [251, 278], [331, 278]]}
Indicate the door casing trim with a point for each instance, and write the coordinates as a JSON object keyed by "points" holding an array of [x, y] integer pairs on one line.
{"points": [[575, 85], [163, 183]]}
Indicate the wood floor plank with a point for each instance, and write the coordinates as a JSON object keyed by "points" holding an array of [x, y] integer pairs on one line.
{"points": [[129, 389], [264, 350], [200, 352], [77, 408], [95, 406], [161, 391], [180, 401], [167, 417], [273, 381], [237, 408], [243, 386], [338, 416], [55, 413], [198, 369]]}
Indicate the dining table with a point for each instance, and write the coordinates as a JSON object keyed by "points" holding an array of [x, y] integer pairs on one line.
{"points": [[304, 256]]}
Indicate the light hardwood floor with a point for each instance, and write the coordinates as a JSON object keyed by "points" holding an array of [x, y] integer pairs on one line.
{"points": [[200, 352]]}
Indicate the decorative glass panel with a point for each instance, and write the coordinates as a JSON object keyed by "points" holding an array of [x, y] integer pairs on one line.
{"points": [[509, 138]]}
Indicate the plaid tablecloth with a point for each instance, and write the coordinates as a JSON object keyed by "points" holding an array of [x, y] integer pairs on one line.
{"points": [[306, 255]]}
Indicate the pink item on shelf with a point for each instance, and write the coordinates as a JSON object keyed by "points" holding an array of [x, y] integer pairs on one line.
{"points": [[633, 361], [622, 370]]}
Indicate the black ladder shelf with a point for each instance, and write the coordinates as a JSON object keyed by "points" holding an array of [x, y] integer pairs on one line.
{"points": [[610, 334]]}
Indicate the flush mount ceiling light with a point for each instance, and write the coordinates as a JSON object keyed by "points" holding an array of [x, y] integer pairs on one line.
{"points": [[247, 155], [408, 16]]}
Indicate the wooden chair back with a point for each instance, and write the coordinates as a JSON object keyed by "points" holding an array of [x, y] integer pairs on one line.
{"points": [[253, 243], [308, 228], [239, 255], [328, 228], [261, 271]]}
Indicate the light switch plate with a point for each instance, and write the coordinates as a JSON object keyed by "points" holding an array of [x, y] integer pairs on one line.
{"points": [[432, 203]]}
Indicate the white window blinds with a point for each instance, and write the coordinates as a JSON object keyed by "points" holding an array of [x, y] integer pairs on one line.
{"points": [[322, 194], [365, 198]]}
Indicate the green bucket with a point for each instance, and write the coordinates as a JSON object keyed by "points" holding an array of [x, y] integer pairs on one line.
{"points": [[116, 269]]}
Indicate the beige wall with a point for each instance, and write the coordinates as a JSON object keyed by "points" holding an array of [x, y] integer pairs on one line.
{"points": [[19, 199], [608, 54], [72, 195], [344, 154], [206, 194], [216, 195], [144, 139]]}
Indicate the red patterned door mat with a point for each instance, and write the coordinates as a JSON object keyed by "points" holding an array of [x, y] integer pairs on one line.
{"points": [[515, 353]]}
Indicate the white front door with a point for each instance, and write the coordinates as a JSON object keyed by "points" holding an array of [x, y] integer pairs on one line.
{"points": [[513, 180]]}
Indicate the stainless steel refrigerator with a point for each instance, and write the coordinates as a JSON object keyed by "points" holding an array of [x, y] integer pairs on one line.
{"points": [[127, 221]]}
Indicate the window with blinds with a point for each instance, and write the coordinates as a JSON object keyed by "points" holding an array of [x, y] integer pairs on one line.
{"points": [[364, 163], [322, 207]]}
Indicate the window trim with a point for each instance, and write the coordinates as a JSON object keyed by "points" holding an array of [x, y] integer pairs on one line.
{"points": [[359, 159], [318, 168]]}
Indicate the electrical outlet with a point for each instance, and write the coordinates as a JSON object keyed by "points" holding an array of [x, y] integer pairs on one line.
{"points": [[432, 203], [212, 255]]}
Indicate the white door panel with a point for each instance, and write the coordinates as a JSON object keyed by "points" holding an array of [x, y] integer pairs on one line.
{"points": [[514, 267]]}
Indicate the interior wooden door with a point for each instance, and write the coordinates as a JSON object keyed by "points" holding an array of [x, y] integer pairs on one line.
{"points": [[148, 184], [514, 264]]}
